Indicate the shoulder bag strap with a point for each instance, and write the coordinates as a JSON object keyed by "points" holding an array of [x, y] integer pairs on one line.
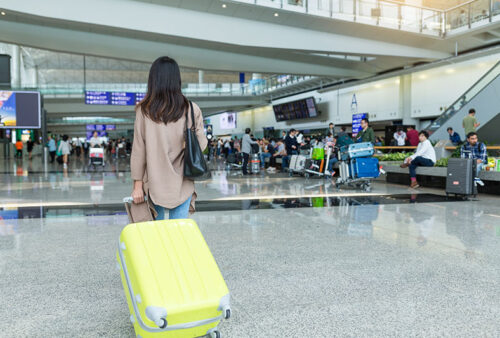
{"points": [[193, 127]]}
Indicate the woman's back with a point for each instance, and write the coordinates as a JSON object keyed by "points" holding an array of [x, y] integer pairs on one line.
{"points": [[157, 160], [158, 157]]}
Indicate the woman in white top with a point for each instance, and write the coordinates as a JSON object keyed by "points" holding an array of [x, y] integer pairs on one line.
{"points": [[95, 141], [425, 156], [65, 150]]}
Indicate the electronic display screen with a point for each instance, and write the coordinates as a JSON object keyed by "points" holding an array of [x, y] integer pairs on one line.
{"points": [[295, 110], [20, 109], [97, 97], [100, 127], [113, 98], [123, 99], [227, 121], [139, 97]]}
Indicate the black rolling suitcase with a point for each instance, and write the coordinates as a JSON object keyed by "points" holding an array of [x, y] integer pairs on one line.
{"points": [[460, 177]]}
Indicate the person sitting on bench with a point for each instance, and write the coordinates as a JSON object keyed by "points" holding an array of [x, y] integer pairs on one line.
{"points": [[477, 151], [425, 156]]}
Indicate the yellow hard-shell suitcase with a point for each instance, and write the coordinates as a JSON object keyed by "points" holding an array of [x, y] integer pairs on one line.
{"points": [[172, 283]]}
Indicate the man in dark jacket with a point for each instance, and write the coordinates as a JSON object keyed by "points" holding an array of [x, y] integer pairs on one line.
{"points": [[454, 137], [367, 134], [291, 144]]}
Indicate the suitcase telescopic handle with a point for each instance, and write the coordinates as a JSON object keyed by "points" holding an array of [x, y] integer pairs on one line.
{"points": [[129, 199]]}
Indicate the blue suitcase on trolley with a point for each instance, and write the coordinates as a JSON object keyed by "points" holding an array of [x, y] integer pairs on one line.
{"points": [[356, 150], [364, 167]]}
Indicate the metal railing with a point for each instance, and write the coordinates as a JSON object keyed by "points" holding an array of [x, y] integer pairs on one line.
{"points": [[476, 88], [393, 14]]}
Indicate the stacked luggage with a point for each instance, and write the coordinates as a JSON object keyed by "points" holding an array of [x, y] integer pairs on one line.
{"points": [[297, 165], [315, 164], [172, 283], [357, 165]]}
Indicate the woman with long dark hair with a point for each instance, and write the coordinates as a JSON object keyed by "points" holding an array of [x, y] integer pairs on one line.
{"points": [[157, 159]]}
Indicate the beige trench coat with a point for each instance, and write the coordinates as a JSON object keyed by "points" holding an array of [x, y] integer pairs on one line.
{"points": [[158, 158]]}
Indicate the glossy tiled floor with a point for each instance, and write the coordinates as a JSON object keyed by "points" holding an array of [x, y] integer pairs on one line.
{"points": [[363, 267]]}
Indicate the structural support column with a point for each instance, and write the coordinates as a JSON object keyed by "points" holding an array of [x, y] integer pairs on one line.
{"points": [[16, 67], [201, 75], [405, 101]]}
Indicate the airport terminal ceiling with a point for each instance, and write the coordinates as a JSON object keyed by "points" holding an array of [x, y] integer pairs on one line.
{"points": [[239, 38]]}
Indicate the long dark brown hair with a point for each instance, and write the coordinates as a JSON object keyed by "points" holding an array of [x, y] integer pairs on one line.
{"points": [[164, 101]]}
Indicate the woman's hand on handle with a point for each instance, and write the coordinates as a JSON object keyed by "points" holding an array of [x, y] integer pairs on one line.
{"points": [[138, 192]]}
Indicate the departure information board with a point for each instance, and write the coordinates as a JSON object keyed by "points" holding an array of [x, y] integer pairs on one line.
{"points": [[113, 98]]}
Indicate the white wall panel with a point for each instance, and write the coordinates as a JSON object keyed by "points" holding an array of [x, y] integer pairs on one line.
{"points": [[440, 87]]}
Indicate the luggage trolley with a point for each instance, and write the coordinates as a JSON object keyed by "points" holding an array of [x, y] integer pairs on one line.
{"points": [[96, 157], [317, 165], [357, 167], [298, 162]]}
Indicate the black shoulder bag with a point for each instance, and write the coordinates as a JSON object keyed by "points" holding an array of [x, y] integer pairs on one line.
{"points": [[195, 166]]}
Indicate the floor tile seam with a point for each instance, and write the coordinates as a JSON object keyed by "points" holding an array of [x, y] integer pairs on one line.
{"points": [[249, 198]]}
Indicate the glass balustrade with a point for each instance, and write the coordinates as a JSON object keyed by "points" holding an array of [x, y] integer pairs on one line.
{"points": [[254, 87], [394, 14]]}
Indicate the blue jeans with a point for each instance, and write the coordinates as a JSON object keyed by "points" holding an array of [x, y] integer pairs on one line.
{"points": [[263, 157], [419, 161], [332, 161], [285, 162], [479, 167], [179, 212]]}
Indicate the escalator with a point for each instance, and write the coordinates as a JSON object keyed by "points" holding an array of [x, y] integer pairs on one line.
{"points": [[484, 97]]}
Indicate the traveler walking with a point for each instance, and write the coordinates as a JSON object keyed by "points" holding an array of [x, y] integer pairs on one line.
{"points": [[246, 149], [19, 149], [425, 156], [51, 144], [157, 160], [30, 145], [470, 123], [65, 150], [78, 147]]}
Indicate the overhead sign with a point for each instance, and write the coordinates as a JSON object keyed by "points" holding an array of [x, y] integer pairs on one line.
{"points": [[354, 104], [100, 127], [356, 122], [113, 98]]}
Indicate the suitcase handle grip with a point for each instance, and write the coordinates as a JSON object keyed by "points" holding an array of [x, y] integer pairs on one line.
{"points": [[129, 199]]}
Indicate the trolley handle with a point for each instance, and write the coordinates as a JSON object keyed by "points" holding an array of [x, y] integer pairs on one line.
{"points": [[129, 199]]}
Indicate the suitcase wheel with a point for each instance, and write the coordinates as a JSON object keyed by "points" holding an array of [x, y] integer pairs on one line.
{"points": [[227, 314], [215, 334], [164, 323]]}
